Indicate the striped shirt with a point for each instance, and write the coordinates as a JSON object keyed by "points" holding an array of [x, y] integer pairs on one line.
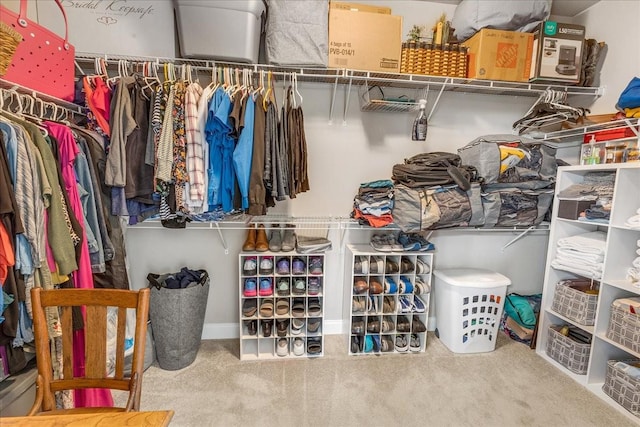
{"points": [[195, 160]]}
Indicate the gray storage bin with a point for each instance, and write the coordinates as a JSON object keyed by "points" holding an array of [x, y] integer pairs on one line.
{"points": [[571, 354], [572, 301], [177, 318], [623, 387]]}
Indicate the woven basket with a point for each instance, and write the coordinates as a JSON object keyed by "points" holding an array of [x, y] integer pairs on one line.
{"points": [[433, 60], [9, 41]]}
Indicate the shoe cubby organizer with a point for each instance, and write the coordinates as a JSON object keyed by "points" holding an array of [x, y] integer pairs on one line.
{"points": [[281, 305], [387, 300]]}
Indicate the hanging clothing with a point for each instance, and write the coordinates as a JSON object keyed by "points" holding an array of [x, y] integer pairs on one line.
{"points": [[243, 152], [139, 183], [221, 145], [122, 125], [257, 192], [195, 159]]}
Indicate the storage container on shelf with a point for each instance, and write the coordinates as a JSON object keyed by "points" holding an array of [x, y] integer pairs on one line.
{"points": [[469, 304], [227, 30]]}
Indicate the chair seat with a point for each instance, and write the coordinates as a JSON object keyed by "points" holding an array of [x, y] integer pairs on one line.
{"points": [[73, 411]]}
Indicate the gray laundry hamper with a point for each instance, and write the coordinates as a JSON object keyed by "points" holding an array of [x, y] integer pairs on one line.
{"points": [[177, 318]]}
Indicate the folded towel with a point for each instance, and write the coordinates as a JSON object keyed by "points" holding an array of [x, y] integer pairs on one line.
{"points": [[633, 222], [638, 251], [591, 273], [580, 256], [583, 265], [633, 274], [593, 242], [636, 262]]}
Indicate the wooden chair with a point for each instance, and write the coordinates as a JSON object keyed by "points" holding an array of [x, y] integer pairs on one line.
{"points": [[96, 302]]}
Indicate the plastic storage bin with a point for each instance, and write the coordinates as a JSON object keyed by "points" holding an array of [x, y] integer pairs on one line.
{"points": [[622, 384], [469, 303], [227, 30]]}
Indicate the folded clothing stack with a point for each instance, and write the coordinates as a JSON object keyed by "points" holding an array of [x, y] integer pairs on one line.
{"points": [[310, 244], [633, 273], [373, 204], [581, 254], [634, 221]]}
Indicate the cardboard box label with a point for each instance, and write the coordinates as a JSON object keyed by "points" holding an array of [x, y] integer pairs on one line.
{"points": [[507, 55], [357, 7], [557, 52], [499, 55]]}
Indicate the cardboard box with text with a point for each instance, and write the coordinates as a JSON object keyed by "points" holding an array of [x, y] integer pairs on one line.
{"points": [[500, 55], [557, 52]]}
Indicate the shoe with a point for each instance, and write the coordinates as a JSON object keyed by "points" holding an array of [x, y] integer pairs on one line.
{"points": [[249, 307], [249, 289], [360, 286], [275, 242], [425, 245], [390, 286], [266, 287], [379, 243], [403, 324], [377, 265], [405, 304], [267, 326], [297, 325], [313, 325], [289, 238], [373, 325], [391, 267], [408, 243], [283, 286], [421, 288], [249, 268], [414, 344], [282, 325], [402, 345], [373, 305], [406, 266], [298, 266], [368, 344], [266, 308], [355, 344], [358, 304], [386, 344], [387, 324], [282, 266], [314, 345], [389, 305], [392, 242], [252, 327], [422, 267], [376, 343], [298, 346], [361, 265], [250, 242], [266, 265], [314, 307], [417, 326], [282, 306], [374, 286], [262, 243], [418, 305], [406, 287], [357, 326], [315, 265], [313, 287], [282, 349], [299, 286], [297, 309]]}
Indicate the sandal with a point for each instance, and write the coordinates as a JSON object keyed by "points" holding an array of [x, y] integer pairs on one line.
{"points": [[298, 308], [266, 308], [313, 325], [314, 308], [281, 327], [282, 306], [314, 346], [249, 307], [297, 325]]}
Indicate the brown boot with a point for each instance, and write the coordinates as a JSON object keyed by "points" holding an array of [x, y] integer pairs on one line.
{"points": [[262, 243], [250, 243]]}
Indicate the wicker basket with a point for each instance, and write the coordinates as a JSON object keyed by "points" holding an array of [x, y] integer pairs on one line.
{"points": [[571, 354], [434, 60], [9, 41], [622, 387], [571, 300], [624, 327]]}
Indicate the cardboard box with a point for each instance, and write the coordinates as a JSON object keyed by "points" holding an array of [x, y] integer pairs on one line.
{"points": [[571, 209], [557, 52], [364, 40], [499, 55], [357, 7]]}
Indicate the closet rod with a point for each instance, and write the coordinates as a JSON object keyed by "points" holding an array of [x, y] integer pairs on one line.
{"points": [[22, 90]]}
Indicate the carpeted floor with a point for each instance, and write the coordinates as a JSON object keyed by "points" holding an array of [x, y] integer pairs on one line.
{"points": [[510, 386]]}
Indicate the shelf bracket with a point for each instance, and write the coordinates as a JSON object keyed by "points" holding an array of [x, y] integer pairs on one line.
{"points": [[333, 100], [518, 237], [346, 102], [435, 104], [224, 242]]}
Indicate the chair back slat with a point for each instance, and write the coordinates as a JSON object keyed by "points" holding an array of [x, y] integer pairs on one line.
{"points": [[95, 339], [122, 323], [66, 320]]}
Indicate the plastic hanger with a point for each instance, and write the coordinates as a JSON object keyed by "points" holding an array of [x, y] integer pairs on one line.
{"points": [[295, 85]]}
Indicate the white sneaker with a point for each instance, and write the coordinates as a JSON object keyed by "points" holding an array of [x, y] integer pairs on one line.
{"points": [[298, 347], [282, 349]]}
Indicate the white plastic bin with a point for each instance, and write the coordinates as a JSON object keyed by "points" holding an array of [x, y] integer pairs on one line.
{"points": [[469, 303], [228, 30]]}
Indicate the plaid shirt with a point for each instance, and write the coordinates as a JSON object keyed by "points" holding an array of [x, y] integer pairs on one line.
{"points": [[195, 161]]}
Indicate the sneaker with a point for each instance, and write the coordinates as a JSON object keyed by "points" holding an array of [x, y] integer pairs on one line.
{"points": [[282, 266], [283, 286], [313, 287], [408, 243], [414, 344], [422, 267], [386, 344], [298, 266], [282, 349], [417, 325], [421, 287], [418, 305], [266, 287], [297, 325], [266, 265], [250, 288], [298, 346], [379, 243], [392, 242], [390, 286], [377, 265], [425, 245], [405, 304], [249, 268], [406, 287], [402, 345], [299, 286], [315, 265], [361, 265]]}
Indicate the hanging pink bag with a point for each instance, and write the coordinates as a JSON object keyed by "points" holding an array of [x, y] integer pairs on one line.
{"points": [[43, 60]]}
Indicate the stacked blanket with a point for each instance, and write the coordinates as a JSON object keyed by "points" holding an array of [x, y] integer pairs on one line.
{"points": [[581, 254]]}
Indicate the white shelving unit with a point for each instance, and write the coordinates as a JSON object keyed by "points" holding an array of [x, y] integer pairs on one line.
{"points": [[366, 308], [303, 304], [621, 246]]}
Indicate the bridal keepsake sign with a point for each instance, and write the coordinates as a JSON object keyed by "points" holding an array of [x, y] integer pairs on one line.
{"points": [[117, 27]]}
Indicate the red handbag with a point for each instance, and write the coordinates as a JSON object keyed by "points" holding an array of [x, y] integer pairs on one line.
{"points": [[43, 60]]}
